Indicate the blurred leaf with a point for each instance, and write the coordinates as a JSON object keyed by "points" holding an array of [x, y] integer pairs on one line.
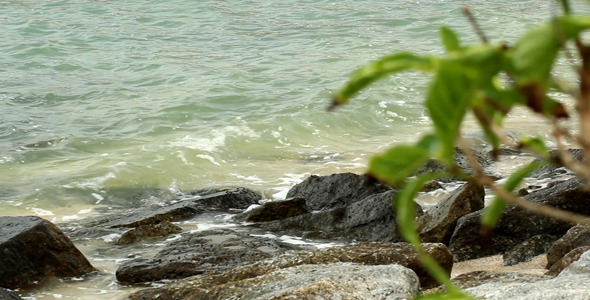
{"points": [[535, 53], [455, 295], [450, 39], [493, 212], [399, 162], [536, 145], [376, 70]]}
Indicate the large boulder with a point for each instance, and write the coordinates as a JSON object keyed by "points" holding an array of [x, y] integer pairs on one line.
{"points": [[437, 224], [371, 219], [33, 250], [336, 190], [575, 237], [329, 281], [210, 251], [517, 225], [370, 254]]}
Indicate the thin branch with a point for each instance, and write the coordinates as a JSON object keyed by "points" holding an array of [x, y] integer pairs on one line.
{"points": [[541, 209], [475, 25]]}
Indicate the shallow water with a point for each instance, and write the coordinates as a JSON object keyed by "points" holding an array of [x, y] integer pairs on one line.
{"points": [[121, 104]]}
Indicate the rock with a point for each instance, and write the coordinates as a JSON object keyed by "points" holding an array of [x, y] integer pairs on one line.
{"points": [[575, 237], [566, 260], [554, 167], [275, 210], [561, 287], [517, 225], [364, 253], [33, 250], [437, 224], [530, 248], [142, 232], [336, 190], [484, 159], [8, 295], [476, 278], [210, 251], [577, 267], [372, 219], [179, 209], [330, 281]]}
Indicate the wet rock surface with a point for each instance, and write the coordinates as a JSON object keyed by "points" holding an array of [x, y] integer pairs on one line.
{"points": [[516, 225], [275, 210], [149, 231], [368, 254], [437, 224], [566, 260], [178, 209], [34, 250], [8, 295], [336, 190], [370, 219], [210, 251]]}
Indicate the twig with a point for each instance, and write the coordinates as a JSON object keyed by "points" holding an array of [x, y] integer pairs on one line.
{"points": [[475, 25]]}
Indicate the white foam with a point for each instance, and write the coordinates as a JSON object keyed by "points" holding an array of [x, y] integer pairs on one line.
{"points": [[209, 158], [216, 139], [42, 212]]}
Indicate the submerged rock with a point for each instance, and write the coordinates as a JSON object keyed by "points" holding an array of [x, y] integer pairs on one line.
{"points": [[33, 250], [148, 231], [517, 225], [437, 224], [181, 209], [483, 158], [8, 295], [336, 190]]}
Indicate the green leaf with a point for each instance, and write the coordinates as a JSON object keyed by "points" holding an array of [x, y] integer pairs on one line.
{"points": [[494, 211], [450, 39], [399, 162], [536, 145], [535, 53], [377, 70], [447, 102]]}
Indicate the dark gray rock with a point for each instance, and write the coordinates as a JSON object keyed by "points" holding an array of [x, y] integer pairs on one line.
{"points": [[206, 286], [484, 159], [566, 260], [336, 190], [516, 225], [437, 224], [33, 250], [554, 167], [575, 237], [148, 231], [275, 210], [530, 248], [179, 209], [371, 219], [210, 251], [8, 295]]}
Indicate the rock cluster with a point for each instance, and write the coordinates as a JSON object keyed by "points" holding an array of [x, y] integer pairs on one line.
{"points": [[250, 261]]}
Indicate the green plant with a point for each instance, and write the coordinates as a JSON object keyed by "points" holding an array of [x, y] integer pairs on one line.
{"points": [[487, 80]]}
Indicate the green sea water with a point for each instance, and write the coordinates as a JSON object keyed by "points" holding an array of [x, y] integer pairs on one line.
{"points": [[124, 103]]}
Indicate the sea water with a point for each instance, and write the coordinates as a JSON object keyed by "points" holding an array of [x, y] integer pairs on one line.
{"points": [[110, 104]]}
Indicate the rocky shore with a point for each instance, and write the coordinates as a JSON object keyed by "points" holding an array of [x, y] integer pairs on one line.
{"points": [[333, 237]]}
